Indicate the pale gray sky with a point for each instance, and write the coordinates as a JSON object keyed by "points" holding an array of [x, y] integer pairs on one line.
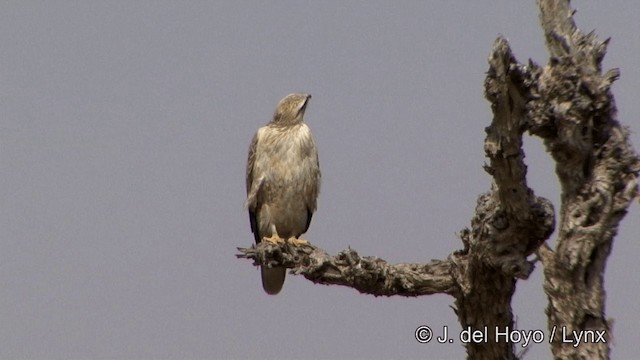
{"points": [[124, 129]]}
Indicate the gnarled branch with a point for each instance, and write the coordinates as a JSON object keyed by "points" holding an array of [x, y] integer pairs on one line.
{"points": [[368, 274]]}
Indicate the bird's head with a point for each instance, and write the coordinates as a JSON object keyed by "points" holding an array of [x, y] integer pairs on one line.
{"points": [[291, 109]]}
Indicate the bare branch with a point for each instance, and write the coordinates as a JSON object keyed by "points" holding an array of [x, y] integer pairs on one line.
{"points": [[368, 275], [528, 219]]}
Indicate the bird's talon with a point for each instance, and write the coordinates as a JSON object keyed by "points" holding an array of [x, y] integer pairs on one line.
{"points": [[297, 242], [275, 240]]}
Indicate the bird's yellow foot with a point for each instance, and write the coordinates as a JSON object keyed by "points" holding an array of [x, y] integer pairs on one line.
{"points": [[297, 242], [275, 240]]}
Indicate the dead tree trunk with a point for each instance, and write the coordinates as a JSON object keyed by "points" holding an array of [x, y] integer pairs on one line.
{"points": [[567, 103], [575, 114]]}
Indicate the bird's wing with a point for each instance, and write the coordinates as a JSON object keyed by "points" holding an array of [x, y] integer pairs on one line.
{"points": [[311, 169], [251, 161], [253, 187]]}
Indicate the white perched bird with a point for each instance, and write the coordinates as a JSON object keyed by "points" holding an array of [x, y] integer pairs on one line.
{"points": [[283, 181]]}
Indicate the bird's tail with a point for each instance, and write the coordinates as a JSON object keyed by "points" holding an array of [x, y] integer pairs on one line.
{"points": [[273, 279]]}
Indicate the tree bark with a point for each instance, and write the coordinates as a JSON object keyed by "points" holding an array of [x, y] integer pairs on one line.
{"points": [[574, 112], [569, 105]]}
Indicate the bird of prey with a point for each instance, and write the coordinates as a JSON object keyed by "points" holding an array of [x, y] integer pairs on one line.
{"points": [[283, 181]]}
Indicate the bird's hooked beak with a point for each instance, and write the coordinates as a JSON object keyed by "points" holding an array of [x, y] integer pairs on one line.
{"points": [[304, 106]]}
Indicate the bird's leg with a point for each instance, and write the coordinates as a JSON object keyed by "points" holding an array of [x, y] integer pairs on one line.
{"points": [[274, 239], [297, 242]]}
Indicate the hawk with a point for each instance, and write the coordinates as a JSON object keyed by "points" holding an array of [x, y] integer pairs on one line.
{"points": [[283, 181]]}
